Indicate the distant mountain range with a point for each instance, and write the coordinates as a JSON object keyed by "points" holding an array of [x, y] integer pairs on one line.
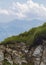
{"points": [[16, 27]]}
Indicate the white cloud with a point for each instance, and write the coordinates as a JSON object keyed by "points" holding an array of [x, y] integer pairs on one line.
{"points": [[27, 10], [4, 11]]}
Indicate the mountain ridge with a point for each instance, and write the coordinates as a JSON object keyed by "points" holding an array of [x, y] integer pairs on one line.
{"points": [[28, 36], [28, 48], [16, 27]]}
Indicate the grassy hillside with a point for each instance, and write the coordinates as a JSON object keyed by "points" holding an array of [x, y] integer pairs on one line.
{"points": [[29, 37]]}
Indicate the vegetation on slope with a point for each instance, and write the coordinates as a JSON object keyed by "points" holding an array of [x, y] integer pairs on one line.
{"points": [[33, 37], [29, 37]]}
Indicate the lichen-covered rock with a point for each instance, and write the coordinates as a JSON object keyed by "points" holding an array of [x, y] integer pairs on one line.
{"points": [[1, 57]]}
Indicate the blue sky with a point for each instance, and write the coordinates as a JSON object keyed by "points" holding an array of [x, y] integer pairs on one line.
{"points": [[17, 16]]}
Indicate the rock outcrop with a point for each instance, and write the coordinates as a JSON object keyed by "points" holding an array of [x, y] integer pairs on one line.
{"points": [[18, 53]]}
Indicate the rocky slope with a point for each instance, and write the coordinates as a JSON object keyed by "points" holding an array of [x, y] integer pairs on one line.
{"points": [[19, 54], [28, 48]]}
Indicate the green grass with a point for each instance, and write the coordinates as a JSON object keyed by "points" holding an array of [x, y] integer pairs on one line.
{"points": [[28, 37], [5, 62]]}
